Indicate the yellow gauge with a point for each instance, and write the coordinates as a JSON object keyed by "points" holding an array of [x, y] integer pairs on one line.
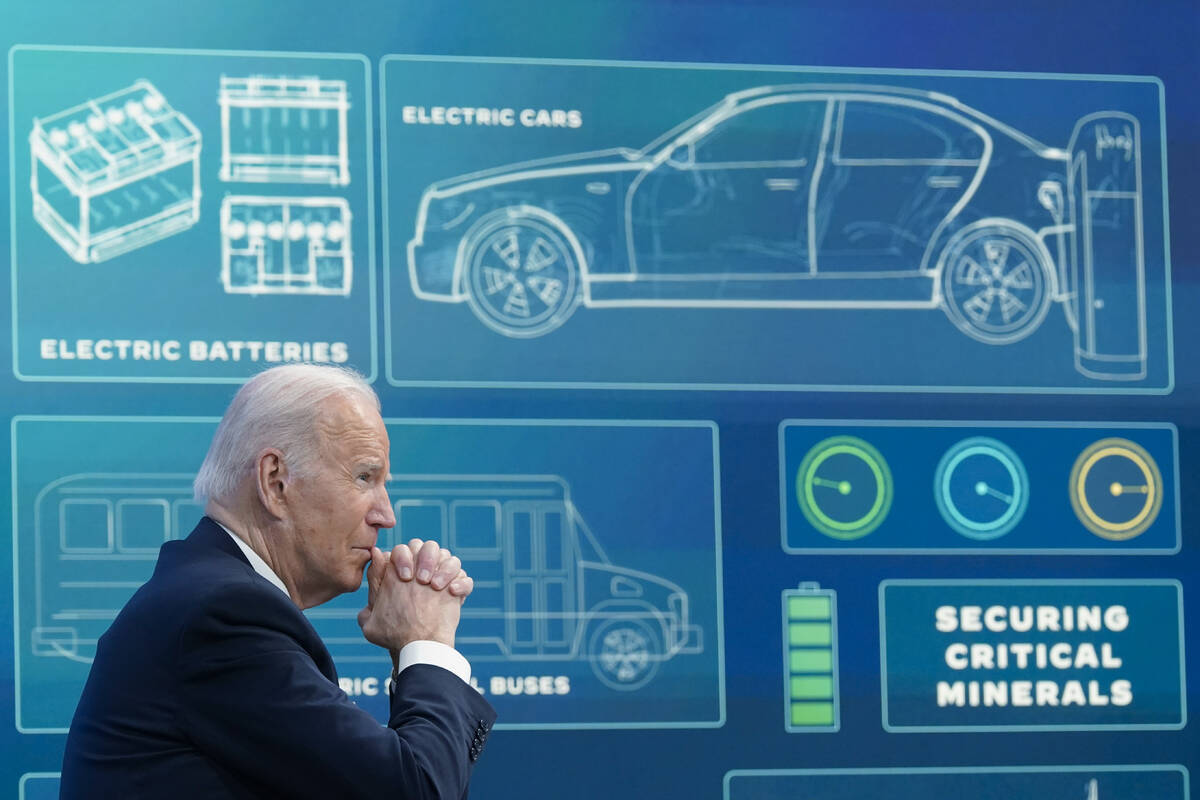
{"points": [[1116, 489]]}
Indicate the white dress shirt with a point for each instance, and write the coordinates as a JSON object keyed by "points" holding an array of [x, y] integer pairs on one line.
{"points": [[419, 652]]}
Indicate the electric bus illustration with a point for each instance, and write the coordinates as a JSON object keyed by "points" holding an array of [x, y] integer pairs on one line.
{"points": [[840, 197], [545, 590]]}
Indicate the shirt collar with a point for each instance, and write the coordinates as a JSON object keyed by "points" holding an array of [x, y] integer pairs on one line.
{"points": [[256, 561]]}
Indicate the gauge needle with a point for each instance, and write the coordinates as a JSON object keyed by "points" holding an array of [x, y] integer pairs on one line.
{"points": [[843, 487], [1118, 489], [982, 488]]}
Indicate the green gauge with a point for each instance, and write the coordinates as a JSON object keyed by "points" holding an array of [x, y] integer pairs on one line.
{"points": [[1116, 489], [844, 487], [981, 488]]}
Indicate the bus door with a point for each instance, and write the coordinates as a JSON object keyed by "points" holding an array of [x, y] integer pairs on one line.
{"points": [[540, 574], [475, 537]]}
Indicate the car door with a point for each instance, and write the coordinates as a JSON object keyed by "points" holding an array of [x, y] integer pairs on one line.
{"points": [[896, 167], [732, 200]]}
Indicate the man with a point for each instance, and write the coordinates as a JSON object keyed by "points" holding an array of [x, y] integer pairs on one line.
{"points": [[211, 683]]}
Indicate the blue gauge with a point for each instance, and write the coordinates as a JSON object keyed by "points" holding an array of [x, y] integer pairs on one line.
{"points": [[981, 488]]}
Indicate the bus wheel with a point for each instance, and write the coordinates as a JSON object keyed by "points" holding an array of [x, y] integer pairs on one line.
{"points": [[994, 284], [624, 653], [521, 275]]}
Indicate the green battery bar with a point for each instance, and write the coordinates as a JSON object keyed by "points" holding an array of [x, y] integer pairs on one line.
{"points": [[810, 659]]}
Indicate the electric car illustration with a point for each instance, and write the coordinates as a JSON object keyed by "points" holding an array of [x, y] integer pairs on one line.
{"points": [[812, 196]]}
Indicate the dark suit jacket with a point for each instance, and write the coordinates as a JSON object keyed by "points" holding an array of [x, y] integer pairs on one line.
{"points": [[212, 684]]}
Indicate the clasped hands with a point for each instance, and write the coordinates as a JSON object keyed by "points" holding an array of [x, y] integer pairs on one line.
{"points": [[415, 592]]}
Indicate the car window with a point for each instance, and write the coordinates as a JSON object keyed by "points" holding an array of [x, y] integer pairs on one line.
{"points": [[772, 131], [892, 131]]}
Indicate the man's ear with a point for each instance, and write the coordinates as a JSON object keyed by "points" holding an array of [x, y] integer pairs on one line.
{"points": [[272, 482]]}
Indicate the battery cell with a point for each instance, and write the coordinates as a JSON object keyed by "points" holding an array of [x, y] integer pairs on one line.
{"points": [[115, 173], [286, 245], [810, 659], [284, 130]]}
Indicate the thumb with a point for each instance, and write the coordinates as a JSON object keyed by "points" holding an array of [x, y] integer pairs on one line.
{"points": [[375, 573]]}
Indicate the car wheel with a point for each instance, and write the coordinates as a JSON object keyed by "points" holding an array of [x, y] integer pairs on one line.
{"points": [[994, 284], [522, 278], [624, 653]]}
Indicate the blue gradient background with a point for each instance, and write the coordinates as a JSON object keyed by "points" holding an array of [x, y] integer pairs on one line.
{"points": [[1126, 37]]}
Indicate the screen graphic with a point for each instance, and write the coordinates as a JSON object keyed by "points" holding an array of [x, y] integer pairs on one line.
{"points": [[575, 622], [1009, 226]]}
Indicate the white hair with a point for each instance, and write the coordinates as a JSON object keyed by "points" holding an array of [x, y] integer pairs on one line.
{"points": [[278, 408]]}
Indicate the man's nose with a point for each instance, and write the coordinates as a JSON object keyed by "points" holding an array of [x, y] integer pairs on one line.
{"points": [[381, 514]]}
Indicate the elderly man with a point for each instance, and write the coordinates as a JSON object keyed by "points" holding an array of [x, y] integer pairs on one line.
{"points": [[211, 683]]}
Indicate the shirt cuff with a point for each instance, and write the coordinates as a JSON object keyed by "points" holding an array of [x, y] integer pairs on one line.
{"points": [[435, 653]]}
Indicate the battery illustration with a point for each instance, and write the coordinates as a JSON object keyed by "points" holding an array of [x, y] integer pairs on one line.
{"points": [[286, 245], [115, 173], [284, 130], [810, 660]]}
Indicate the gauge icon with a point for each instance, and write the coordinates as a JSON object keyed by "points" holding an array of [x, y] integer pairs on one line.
{"points": [[981, 488], [1116, 489], [844, 487]]}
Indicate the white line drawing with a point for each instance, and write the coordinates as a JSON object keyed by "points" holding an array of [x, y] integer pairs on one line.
{"points": [[96, 540], [545, 590], [115, 173], [812, 196], [284, 130], [1093, 789], [286, 245]]}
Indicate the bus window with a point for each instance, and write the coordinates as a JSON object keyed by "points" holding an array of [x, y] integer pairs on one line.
{"points": [[420, 519], [555, 541], [142, 525], [475, 528], [522, 541], [522, 620], [557, 610], [85, 526]]}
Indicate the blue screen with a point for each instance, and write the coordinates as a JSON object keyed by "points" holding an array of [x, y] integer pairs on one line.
{"points": [[811, 389]]}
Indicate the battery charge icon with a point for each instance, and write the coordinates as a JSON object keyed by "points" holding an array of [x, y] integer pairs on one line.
{"points": [[810, 659]]}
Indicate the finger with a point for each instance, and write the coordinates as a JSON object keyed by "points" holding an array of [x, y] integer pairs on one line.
{"points": [[462, 585], [427, 561], [402, 562], [375, 573], [447, 570]]}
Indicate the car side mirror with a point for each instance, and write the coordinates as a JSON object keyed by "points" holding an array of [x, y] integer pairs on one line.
{"points": [[683, 156]]}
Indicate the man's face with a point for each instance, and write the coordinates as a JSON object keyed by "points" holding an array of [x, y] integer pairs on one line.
{"points": [[338, 509]]}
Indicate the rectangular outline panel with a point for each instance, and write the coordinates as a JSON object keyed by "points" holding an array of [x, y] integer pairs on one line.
{"points": [[851, 771], [774, 387], [883, 678], [368, 86], [785, 506], [718, 587]]}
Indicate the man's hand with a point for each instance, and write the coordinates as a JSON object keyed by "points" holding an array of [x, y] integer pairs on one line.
{"points": [[439, 568], [431, 564], [401, 611]]}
